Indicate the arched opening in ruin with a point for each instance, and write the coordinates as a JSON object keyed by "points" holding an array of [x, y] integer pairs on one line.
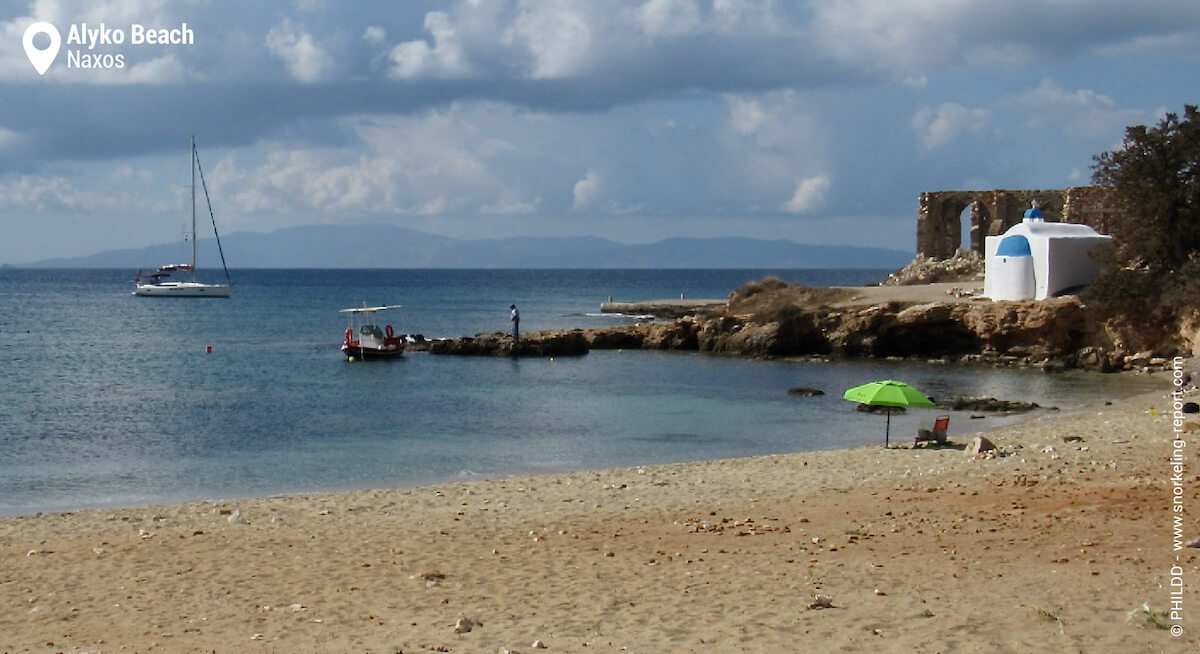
{"points": [[949, 220], [964, 227]]}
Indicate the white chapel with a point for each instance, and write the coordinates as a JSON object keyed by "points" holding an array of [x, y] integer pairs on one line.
{"points": [[1035, 260]]}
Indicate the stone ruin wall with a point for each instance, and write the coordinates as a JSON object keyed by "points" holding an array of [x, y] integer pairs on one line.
{"points": [[939, 224]]}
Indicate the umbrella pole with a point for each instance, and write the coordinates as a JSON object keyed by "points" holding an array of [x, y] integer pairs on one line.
{"points": [[887, 427]]}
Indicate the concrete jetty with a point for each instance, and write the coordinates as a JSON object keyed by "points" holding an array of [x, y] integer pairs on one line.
{"points": [[662, 308]]}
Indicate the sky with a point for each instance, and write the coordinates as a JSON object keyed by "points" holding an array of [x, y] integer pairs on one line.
{"points": [[634, 120]]}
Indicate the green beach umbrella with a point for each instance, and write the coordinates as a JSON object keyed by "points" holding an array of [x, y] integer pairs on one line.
{"points": [[887, 393]]}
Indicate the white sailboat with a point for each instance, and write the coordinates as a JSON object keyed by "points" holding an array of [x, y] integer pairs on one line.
{"points": [[164, 282]]}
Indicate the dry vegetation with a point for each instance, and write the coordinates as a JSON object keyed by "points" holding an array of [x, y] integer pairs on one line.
{"points": [[769, 299]]}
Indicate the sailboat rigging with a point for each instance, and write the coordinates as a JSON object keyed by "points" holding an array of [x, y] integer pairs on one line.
{"points": [[162, 282]]}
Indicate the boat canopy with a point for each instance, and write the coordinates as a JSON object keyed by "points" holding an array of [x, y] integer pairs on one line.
{"points": [[370, 309]]}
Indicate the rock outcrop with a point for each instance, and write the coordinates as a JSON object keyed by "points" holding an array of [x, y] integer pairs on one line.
{"points": [[543, 344], [1054, 334], [965, 265]]}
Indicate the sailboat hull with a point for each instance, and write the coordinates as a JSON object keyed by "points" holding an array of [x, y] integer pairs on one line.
{"points": [[182, 289]]}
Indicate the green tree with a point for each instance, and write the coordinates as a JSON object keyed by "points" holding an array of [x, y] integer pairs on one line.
{"points": [[1153, 273], [1156, 180]]}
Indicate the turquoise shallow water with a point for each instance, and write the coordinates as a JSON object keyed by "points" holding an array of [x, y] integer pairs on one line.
{"points": [[108, 399]]}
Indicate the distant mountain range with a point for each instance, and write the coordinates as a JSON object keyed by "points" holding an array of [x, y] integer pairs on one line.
{"points": [[386, 246]]}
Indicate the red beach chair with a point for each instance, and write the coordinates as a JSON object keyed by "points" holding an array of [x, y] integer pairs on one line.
{"points": [[937, 434]]}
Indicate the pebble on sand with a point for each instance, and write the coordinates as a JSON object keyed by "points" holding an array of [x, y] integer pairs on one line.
{"points": [[821, 602], [465, 624]]}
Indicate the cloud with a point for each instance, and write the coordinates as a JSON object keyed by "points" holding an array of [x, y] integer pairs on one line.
{"points": [[303, 181], [508, 205], [809, 195], [774, 139], [160, 70], [880, 34], [586, 190], [938, 128], [426, 164], [1182, 43], [374, 34], [127, 172], [668, 17], [38, 194], [639, 115], [746, 116], [433, 207], [903, 37], [9, 139], [444, 59], [304, 58], [1082, 112], [59, 195], [487, 159], [556, 34]]}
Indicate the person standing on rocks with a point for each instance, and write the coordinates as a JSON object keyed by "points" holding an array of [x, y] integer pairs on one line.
{"points": [[515, 319]]}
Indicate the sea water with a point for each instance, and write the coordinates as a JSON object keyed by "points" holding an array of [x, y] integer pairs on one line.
{"points": [[107, 399]]}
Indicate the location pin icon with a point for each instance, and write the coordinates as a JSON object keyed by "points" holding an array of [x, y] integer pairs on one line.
{"points": [[41, 59]]}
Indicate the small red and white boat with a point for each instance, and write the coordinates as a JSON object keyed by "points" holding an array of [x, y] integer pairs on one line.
{"points": [[366, 340]]}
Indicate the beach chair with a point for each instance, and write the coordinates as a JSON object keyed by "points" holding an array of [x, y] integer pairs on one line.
{"points": [[937, 434]]}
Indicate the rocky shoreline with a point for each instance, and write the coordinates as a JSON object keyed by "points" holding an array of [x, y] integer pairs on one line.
{"points": [[1054, 334]]}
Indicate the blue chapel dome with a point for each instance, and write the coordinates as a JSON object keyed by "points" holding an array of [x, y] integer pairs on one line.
{"points": [[1015, 245]]}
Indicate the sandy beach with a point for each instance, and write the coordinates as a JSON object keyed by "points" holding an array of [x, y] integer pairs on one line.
{"points": [[1056, 545]]}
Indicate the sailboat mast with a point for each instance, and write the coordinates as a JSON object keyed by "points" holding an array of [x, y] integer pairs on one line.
{"points": [[193, 166]]}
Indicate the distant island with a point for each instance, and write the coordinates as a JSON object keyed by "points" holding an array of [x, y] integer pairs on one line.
{"points": [[387, 246]]}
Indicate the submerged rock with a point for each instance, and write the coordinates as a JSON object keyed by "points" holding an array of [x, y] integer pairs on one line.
{"points": [[874, 408], [964, 403], [804, 391]]}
